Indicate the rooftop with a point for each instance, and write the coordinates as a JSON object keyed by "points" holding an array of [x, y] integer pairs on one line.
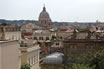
{"points": [[55, 58]]}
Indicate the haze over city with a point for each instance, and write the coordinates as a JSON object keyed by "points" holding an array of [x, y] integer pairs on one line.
{"points": [[59, 10]]}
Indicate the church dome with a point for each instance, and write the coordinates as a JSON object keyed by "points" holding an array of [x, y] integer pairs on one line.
{"points": [[44, 18], [44, 13]]}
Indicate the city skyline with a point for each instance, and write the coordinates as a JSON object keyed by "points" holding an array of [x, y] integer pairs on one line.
{"points": [[64, 10]]}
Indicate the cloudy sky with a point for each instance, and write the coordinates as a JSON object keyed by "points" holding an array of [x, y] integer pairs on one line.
{"points": [[59, 10]]}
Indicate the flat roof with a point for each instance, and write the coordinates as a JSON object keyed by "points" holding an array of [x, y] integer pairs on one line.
{"points": [[5, 41]]}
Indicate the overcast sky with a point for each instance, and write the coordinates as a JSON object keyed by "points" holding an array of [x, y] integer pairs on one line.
{"points": [[59, 10]]}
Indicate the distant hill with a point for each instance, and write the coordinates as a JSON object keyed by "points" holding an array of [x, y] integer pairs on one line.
{"points": [[73, 24], [17, 22]]}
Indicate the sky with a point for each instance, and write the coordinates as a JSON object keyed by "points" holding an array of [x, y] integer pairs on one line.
{"points": [[59, 10]]}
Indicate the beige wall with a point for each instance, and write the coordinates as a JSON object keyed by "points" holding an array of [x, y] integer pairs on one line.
{"points": [[30, 56], [13, 35], [0, 35], [34, 57], [10, 55], [64, 34], [0, 58]]}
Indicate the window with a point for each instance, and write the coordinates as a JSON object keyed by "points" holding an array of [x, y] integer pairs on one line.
{"points": [[45, 22], [72, 46], [40, 38], [57, 43], [61, 37], [96, 28], [47, 38], [34, 59], [29, 61], [89, 46], [101, 28], [35, 38]]}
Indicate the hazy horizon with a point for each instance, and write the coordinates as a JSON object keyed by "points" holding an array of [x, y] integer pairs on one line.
{"points": [[60, 11]]}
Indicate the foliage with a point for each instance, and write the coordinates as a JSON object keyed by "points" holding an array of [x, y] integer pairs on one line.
{"points": [[52, 67], [48, 44], [80, 66], [48, 67], [95, 59], [74, 58], [83, 30], [92, 59], [53, 37], [101, 64], [4, 24], [25, 66], [45, 44]]}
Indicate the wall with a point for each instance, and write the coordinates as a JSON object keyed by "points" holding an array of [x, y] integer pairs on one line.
{"points": [[10, 55], [0, 58], [13, 35], [30, 55], [82, 46]]}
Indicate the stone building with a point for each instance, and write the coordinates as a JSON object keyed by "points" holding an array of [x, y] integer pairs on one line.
{"points": [[98, 29], [30, 27], [44, 19], [10, 33], [80, 46], [9, 55], [64, 32], [79, 43], [30, 53], [57, 46], [40, 35]]}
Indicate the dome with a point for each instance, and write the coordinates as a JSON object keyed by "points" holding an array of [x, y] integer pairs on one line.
{"points": [[44, 13], [44, 18]]}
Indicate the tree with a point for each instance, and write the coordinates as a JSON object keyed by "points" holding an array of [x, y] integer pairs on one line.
{"points": [[4, 24], [91, 59], [95, 59], [26, 66], [101, 64], [80, 66]]}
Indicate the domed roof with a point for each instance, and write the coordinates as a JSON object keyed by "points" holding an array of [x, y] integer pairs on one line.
{"points": [[44, 13]]}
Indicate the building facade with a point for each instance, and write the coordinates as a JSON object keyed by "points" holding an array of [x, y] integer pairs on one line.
{"points": [[9, 55], [10, 33], [30, 54], [81, 46]]}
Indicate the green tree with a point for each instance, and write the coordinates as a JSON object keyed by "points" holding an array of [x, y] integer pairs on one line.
{"points": [[91, 59], [80, 66], [95, 59], [101, 64], [4, 24], [25, 66]]}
